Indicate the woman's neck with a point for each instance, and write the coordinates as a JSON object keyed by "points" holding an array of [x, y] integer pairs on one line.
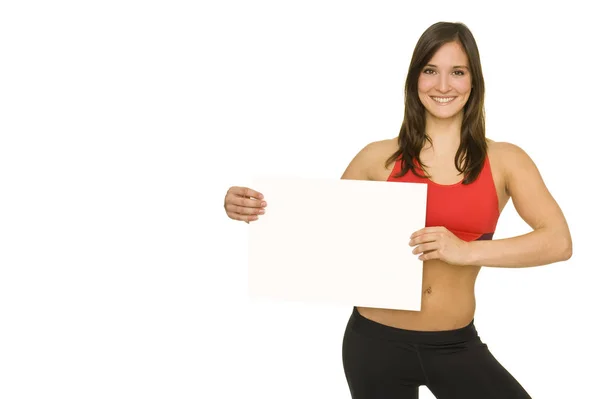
{"points": [[445, 133]]}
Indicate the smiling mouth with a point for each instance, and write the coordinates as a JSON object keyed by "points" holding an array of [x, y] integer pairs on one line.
{"points": [[442, 100]]}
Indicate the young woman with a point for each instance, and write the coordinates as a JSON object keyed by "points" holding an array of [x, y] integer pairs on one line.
{"points": [[390, 353]]}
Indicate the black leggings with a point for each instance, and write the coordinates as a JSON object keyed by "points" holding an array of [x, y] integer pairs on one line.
{"points": [[383, 362]]}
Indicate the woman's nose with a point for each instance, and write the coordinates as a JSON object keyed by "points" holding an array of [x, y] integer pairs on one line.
{"points": [[443, 85]]}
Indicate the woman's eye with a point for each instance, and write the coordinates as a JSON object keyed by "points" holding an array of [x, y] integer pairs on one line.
{"points": [[429, 71]]}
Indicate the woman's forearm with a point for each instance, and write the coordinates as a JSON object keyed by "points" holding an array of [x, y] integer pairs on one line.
{"points": [[540, 247]]}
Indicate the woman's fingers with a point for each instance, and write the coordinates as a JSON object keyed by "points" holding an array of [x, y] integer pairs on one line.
{"points": [[245, 204], [423, 248], [245, 192]]}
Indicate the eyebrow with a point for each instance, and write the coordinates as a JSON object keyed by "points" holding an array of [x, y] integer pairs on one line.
{"points": [[454, 67]]}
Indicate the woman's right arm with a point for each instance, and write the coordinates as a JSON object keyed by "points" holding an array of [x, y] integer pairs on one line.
{"points": [[245, 204]]}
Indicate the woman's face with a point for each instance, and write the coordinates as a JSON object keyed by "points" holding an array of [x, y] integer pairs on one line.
{"points": [[445, 82]]}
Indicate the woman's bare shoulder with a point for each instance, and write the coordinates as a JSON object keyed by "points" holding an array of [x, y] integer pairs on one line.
{"points": [[385, 146], [369, 159], [508, 158], [503, 150]]}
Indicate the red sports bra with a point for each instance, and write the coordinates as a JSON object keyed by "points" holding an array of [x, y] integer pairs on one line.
{"points": [[470, 211]]}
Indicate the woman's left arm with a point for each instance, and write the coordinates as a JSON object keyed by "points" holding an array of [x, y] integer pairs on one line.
{"points": [[550, 240]]}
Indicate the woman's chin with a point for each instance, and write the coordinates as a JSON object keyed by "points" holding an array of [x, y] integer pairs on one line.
{"points": [[444, 115]]}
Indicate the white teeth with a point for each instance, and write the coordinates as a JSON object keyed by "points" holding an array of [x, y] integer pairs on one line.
{"points": [[443, 99]]}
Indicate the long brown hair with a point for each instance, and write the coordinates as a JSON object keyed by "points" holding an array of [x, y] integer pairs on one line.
{"points": [[471, 153]]}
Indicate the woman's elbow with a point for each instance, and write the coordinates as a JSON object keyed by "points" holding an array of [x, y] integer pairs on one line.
{"points": [[565, 247]]}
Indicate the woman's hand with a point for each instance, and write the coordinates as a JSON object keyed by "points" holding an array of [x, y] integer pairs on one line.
{"points": [[242, 203], [439, 243]]}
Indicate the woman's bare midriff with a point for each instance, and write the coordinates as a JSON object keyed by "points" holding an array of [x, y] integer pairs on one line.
{"points": [[447, 300], [448, 296]]}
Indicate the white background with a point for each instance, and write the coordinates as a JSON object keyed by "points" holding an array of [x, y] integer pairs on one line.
{"points": [[123, 124]]}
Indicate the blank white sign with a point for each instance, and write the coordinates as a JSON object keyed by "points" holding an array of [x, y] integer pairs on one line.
{"points": [[337, 241]]}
